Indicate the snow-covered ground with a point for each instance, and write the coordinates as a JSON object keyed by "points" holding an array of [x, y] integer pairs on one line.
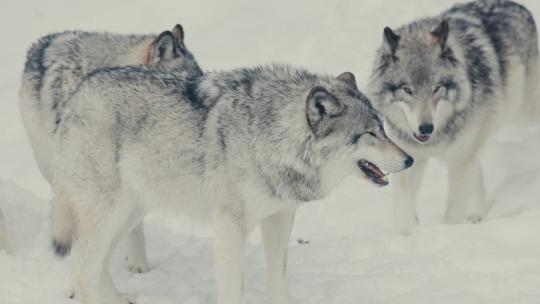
{"points": [[350, 253]]}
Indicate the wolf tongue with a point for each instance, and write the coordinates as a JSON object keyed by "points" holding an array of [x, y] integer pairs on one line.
{"points": [[376, 171]]}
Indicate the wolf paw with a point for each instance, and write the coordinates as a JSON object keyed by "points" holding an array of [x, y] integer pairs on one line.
{"points": [[138, 268], [405, 226], [128, 299], [70, 294], [475, 218], [137, 265]]}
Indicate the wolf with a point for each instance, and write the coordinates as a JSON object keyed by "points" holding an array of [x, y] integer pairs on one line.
{"points": [[57, 63], [443, 85], [234, 149]]}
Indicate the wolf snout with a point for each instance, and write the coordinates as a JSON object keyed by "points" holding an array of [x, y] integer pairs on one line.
{"points": [[426, 129], [424, 132]]}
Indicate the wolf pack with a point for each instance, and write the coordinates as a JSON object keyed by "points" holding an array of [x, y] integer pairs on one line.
{"points": [[124, 125]]}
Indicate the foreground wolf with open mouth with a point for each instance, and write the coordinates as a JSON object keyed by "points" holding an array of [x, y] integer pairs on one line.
{"points": [[443, 84], [57, 63], [238, 148]]}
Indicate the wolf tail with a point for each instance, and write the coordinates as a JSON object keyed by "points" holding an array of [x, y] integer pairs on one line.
{"points": [[63, 227]]}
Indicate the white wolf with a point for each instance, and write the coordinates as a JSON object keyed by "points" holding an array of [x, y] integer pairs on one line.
{"points": [[55, 66], [238, 148], [443, 84]]}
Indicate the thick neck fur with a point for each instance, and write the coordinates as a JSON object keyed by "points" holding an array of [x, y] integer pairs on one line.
{"points": [[267, 112]]}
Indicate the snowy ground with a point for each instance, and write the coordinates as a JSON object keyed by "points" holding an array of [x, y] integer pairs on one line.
{"points": [[353, 256]]}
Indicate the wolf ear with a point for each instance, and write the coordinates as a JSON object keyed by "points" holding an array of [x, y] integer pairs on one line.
{"points": [[321, 108], [440, 34], [391, 41], [162, 48], [348, 78], [178, 34]]}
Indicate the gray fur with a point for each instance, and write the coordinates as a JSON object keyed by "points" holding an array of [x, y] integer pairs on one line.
{"points": [[239, 147], [56, 65], [454, 71]]}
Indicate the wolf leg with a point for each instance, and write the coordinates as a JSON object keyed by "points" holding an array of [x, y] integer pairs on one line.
{"points": [[136, 255], [465, 191], [3, 233], [531, 109], [406, 185], [62, 224], [98, 232], [276, 231], [230, 235]]}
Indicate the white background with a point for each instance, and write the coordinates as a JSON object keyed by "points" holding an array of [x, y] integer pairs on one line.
{"points": [[353, 255]]}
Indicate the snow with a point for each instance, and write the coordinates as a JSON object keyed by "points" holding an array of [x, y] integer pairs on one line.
{"points": [[350, 253]]}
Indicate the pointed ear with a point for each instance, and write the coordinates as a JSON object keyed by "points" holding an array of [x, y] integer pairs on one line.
{"points": [[391, 41], [440, 34], [162, 48], [178, 34], [349, 78], [321, 108]]}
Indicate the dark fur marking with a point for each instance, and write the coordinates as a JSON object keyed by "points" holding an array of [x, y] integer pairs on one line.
{"points": [[61, 250]]}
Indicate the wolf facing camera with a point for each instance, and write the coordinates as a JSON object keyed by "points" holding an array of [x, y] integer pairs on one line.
{"points": [[443, 84]]}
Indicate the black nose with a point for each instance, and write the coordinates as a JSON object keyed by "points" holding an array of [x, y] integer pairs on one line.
{"points": [[426, 129], [409, 162]]}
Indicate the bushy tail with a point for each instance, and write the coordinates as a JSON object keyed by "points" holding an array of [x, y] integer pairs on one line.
{"points": [[63, 226]]}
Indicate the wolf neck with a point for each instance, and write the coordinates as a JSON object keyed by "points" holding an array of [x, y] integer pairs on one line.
{"points": [[138, 54]]}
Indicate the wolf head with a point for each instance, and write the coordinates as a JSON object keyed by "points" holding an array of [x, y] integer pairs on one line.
{"points": [[347, 127], [169, 52], [418, 81]]}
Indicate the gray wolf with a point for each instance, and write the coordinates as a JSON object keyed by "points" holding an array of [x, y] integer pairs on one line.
{"points": [[55, 66], [236, 149], [443, 84]]}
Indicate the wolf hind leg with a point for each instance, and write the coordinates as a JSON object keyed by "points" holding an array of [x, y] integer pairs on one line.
{"points": [[62, 224], [466, 194], [99, 230], [136, 256], [276, 231]]}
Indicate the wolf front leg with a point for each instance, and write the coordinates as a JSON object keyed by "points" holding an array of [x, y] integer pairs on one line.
{"points": [[230, 236], [276, 231], [136, 256], [465, 191], [406, 185]]}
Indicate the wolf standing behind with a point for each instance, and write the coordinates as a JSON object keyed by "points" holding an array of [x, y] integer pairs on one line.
{"points": [[443, 84], [57, 63], [238, 148]]}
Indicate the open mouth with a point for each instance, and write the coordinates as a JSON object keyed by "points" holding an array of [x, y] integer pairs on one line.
{"points": [[422, 138], [373, 172]]}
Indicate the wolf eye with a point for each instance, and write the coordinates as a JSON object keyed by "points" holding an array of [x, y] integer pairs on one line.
{"points": [[437, 88], [357, 137], [407, 90]]}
